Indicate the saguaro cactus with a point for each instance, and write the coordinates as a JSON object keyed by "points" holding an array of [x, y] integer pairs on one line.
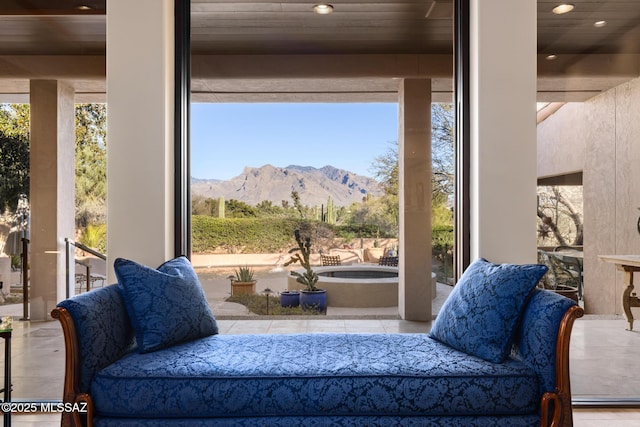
{"points": [[221, 207], [331, 211]]}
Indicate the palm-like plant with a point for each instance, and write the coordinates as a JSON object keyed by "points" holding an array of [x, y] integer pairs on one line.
{"points": [[309, 278]]}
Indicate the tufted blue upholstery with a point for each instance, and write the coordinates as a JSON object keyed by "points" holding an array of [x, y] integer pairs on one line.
{"points": [[537, 336], [329, 421], [314, 374], [104, 334], [481, 313], [311, 379], [166, 305]]}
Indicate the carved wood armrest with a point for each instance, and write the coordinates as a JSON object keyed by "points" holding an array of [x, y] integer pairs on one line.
{"points": [[71, 390], [556, 407]]}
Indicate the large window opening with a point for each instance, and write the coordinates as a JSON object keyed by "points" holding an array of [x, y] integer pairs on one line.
{"points": [[353, 55], [260, 171], [585, 135]]}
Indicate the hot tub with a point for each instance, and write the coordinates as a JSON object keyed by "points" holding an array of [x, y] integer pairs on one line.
{"points": [[356, 285]]}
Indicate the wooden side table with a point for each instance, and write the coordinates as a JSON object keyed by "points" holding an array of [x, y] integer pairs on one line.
{"points": [[628, 264]]}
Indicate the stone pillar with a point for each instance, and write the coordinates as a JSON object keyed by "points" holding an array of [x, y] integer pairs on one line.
{"points": [[140, 63], [52, 191], [414, 158], [503, 130]]}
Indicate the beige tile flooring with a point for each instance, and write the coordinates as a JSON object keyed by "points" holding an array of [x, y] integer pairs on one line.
{"points": [[604, 357]]}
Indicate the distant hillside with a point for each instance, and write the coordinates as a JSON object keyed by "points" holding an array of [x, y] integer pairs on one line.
{"points": [[275, 184]]}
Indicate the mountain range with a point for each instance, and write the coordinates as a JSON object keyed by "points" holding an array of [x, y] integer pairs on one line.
{"points": [[275, 184]]}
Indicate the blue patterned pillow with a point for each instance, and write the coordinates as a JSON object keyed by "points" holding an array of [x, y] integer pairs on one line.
{"points": [[166, 306], [481, 314]]}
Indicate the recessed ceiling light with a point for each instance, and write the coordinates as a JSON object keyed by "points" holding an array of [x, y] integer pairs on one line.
{"points": [[551, 57], [562, 8], [599, 24], [83, 7], [323, 9]]}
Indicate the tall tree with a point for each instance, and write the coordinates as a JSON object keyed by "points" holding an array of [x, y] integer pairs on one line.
{"points": [[297, 204], [14, 171], [385, 166], [14, 155], [385, 169], [14, 120], [90, 159], [91, 163], [442, 148], [560, 216]]}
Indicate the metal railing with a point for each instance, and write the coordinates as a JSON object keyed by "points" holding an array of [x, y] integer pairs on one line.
{"points": [[70, 245], [25, 278]]}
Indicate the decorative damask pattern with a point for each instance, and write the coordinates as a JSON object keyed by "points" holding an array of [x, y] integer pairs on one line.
{"points": [[312, 375], [329, 421], [166, 305], [104, 335], [536, 341], [481, 314]]}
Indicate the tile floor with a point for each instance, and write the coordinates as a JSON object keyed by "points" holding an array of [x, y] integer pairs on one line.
{"points": [[602, 352]]}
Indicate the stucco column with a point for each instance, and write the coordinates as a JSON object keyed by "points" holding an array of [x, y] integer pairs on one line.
{"points": [[140, 62], [503, 130], [52, 191], [414, 158]]}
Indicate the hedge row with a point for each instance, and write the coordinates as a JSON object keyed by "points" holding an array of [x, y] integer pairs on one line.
{"points": [[237, 235], [271, 235]]}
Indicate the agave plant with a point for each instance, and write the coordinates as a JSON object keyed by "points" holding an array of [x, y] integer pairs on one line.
{"points": [[301, 254], [244, 274]]}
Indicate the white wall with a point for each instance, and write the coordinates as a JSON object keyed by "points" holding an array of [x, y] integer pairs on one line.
{"points": [[140, 61], [503, 130]]}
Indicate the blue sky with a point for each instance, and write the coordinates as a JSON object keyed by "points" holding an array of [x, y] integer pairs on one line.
{"points": [[227, 137]]}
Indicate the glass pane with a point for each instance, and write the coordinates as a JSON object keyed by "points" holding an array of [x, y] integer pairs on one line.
{"points": [[32, 105], [297, 99], [587, 152]]}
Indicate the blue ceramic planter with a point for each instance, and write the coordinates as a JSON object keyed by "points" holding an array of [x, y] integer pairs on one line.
{"points": [[314, 300], [289, 298]]}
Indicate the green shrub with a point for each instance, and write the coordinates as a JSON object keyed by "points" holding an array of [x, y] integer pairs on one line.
{"points": [[244, 235], [351, 231], [94, 236], [273, 235], [442, 250], [442, 238], [258, 304]]}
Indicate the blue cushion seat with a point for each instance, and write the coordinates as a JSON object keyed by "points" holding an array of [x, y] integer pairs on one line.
{"points": [[340, 374], [328, 421]]}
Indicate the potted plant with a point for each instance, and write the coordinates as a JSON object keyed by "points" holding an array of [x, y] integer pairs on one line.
{"points": [[311, 298], [289, 299], [243, 283]]}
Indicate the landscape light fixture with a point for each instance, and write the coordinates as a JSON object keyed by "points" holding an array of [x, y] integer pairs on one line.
{"points": [[323, 9], [562, 8]]}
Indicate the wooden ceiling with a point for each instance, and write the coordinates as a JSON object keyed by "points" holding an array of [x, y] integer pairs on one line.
{"points": [[263, 27], [291, 27]]}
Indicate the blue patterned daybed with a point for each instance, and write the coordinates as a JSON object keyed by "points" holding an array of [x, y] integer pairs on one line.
{"points": [[129, 377]]}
